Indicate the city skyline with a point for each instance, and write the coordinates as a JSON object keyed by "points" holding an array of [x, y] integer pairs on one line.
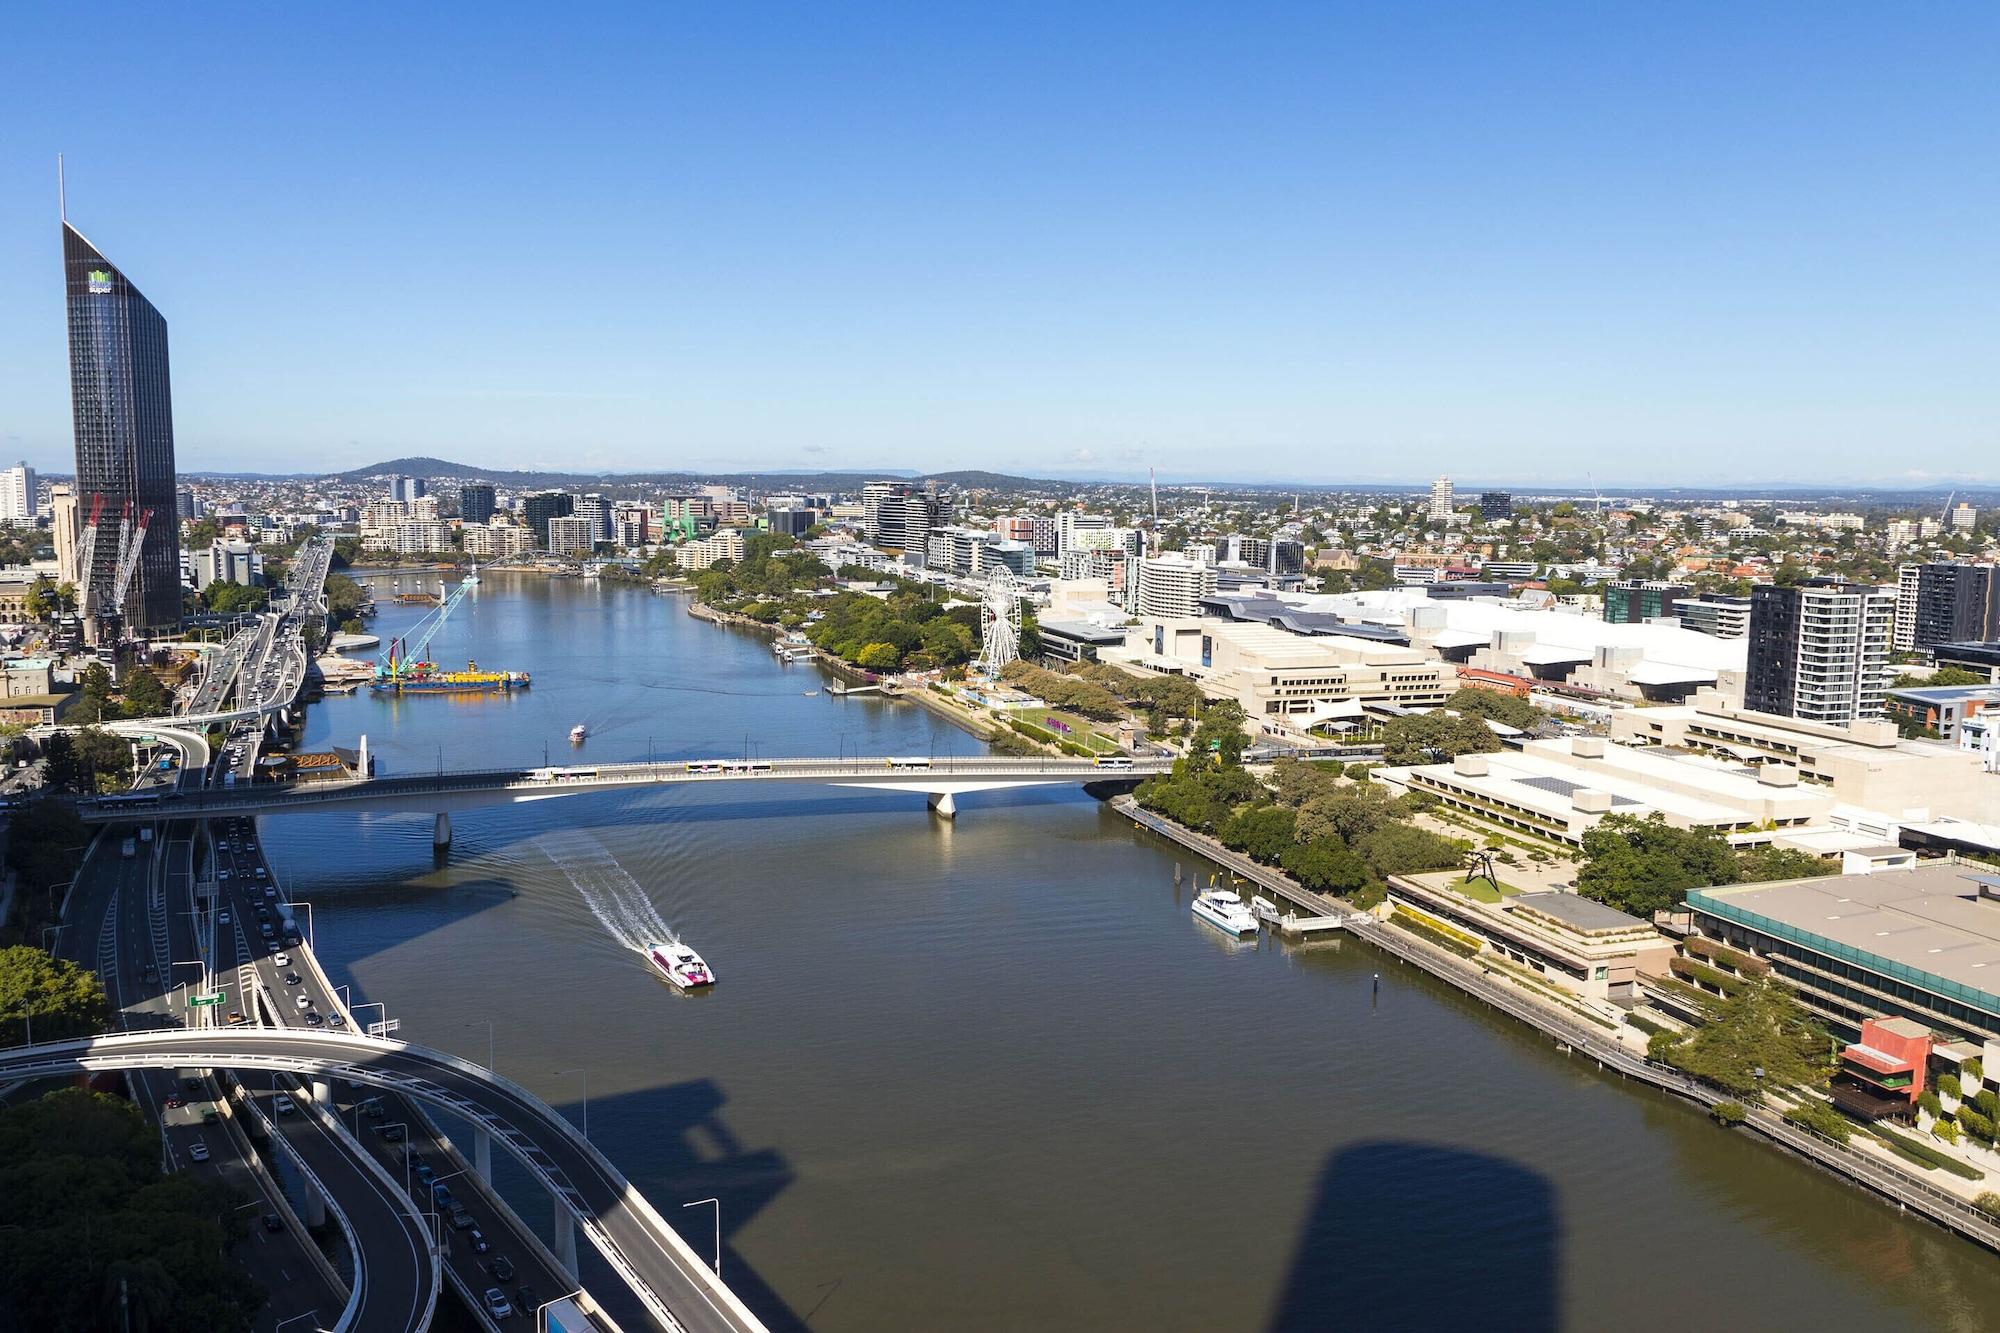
{"points": [[1328, 248]]}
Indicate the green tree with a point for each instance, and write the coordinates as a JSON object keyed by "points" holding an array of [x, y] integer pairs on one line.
{"points": [[54, 996], [878, 656], [1762, 1026], [1642, 866], [1261, 832], [145, 696], [1436, 736], [1325, 866], [1405, 849], [1758, 864]]}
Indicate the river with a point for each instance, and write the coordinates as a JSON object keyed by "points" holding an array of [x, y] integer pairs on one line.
{"points": [[991, 1074]]}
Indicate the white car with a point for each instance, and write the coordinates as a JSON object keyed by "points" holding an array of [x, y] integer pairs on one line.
{"points": [[284, 1104], [282, 959], [304, 1001], [199, 1152]]}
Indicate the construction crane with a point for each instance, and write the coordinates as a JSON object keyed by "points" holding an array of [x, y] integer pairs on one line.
{"points": [[411, 652], [86, 557], [130, 544]]}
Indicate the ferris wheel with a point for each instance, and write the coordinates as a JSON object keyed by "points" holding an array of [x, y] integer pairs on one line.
{"points": [[999, 623]]}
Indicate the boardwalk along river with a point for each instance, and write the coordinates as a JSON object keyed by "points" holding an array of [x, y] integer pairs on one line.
{"points": [[991, 1074]]}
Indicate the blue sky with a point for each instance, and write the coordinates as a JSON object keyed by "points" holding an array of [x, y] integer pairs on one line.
{"points": [[1315, 242]]}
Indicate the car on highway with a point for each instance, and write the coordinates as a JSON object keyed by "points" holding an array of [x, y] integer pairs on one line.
{"points": [[390, 1133], [502, 1267], [496, 1303], [282, 960], [199, 1152], [291, 978], [284, 1103], [337, 1019], [313, 1018], [236, 1018], [272, 1222], [460, 1219], [477, 1238], [525, 1295], [174, 1101], [426, 1176], [303, 1000], [222, 917]]}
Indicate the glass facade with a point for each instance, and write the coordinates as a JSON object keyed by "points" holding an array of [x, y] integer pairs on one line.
{"points": [[124, 418]]}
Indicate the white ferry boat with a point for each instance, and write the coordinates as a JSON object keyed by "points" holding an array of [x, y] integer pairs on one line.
{"points": [[578, 733], [1225, 911], [680, 965]]}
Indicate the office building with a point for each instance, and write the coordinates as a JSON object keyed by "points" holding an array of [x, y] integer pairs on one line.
{"points": [[1818, 650], [18, 500], [475, 502], [897, 516], [121, 398], [571, 534], [1172, 585], [189, 505], [1495, 506], [227, 562], [1955, 602], [1637, 601], [1718, 615], [1566, 939], [1441, 505], [792, 522], [1900, 532], [537, 510]]}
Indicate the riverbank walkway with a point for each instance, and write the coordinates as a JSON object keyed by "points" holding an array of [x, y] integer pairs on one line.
{"points": [[1882, 1176]]}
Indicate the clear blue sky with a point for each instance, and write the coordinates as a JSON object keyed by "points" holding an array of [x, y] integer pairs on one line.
{"points": [[1665, 243]]}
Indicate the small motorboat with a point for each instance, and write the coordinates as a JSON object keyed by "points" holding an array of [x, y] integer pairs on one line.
{"points": [[812, 694], [680, 965]]}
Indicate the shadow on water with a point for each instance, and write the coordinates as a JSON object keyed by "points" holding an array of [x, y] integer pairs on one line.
{"points": [[1413, 1235], [693, 1154]]}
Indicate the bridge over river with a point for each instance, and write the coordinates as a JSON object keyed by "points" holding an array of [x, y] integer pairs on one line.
{"points": [[941, 780]]}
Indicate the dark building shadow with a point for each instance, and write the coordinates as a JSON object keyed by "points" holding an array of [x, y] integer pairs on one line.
{"points": [[1412, 1235]]}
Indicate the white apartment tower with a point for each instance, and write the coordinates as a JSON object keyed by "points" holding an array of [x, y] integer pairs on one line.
{"points": [[17, 496], [1441, 500], [1173, 585]]}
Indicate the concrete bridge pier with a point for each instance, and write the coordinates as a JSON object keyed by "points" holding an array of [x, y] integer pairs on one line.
{"points": [[944, 803], [441, 833], [315, 1210], [566, 1238], [482, 1154], [322, 1092]]}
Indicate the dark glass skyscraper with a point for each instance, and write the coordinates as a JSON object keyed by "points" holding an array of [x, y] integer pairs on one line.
{"points": [[124, 413]]}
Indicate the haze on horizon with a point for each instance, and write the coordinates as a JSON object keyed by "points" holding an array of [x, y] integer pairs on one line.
{"points": [[1246, 242]]}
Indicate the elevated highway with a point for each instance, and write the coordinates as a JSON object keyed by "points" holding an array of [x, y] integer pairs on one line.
{"points": [[673, 1282]]}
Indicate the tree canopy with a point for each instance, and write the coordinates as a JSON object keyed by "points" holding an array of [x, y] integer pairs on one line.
{"points": [[1762, 1026], [1642, 866], [92, 1236], [53, 995], [1433, 737]]}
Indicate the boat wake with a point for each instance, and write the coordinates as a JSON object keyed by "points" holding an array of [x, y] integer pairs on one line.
{"points": [[613, 896]]}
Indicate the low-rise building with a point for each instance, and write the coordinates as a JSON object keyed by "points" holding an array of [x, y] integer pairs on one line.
{"points": [[1920, 943], [1866, 764], [1576, 942], [1284, 679]]}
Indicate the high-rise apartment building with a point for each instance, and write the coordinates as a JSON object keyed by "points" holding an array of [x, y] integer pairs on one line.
{"points": [[897, 516], [1903, 638], [1819, 650], [1956, 602], [17, 496], [1964, 518], [475, 502], [121, 400], [570, 534], [407, 489], [1172, 585], [62, 526], [1069, 523], [1495, 506], [537, 510], [598, 510], [1441, 507]]}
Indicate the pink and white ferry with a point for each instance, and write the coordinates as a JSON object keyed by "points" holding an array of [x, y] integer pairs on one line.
{"points": [[680, 965]]}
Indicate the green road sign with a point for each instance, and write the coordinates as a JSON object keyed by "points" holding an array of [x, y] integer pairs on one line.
{"points": [[219, 997]]}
